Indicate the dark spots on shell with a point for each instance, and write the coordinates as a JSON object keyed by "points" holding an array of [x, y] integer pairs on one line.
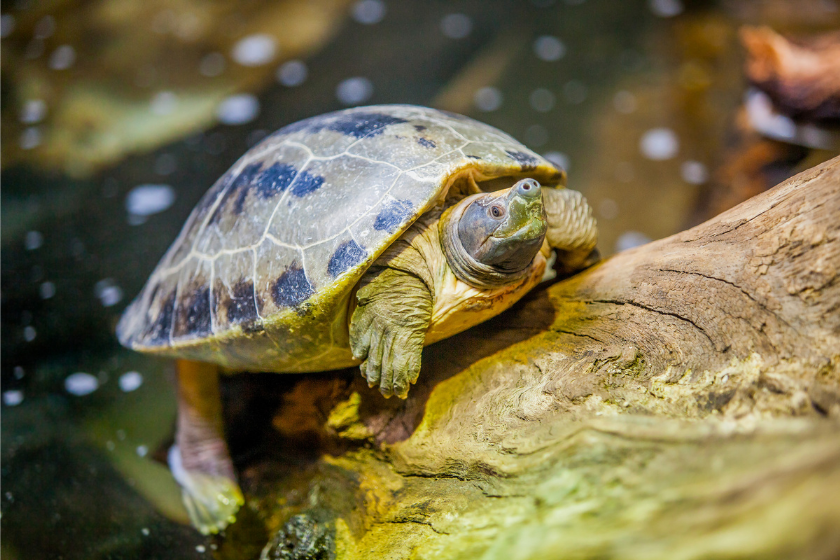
{"points": [[237, 191], [274, 180], [419, 127], [526, 162], [159, 330], [359, 124], [348, 254], [473, 157], [193, 314], [426, 143], [292, 287], [392, 215], [240, 304], [306, 183]]}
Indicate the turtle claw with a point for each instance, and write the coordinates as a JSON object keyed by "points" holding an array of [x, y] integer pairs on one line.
{"points": [[211, 500]]}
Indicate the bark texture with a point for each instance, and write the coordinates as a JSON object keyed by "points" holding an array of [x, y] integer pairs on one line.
{"points": [[679, 400]]}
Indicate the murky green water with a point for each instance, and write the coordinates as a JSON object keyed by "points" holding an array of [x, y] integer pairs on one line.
{"points": [[100, 100]]}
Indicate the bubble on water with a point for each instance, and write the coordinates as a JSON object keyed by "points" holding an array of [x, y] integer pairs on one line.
{"points": [[575, 91], [369, 12], [142, 451], [13, 397], [488, 99], [238, 109], [166, 164], [19, 372], [624, 102], [33, 111], [30, 138], [665, 8], [456, 26], [47, 290], [659, 144], [145, 200], [694, 172], [549, 48], [45, 27], [536, 135], [542, 100], [559, 159], [108, 292], [7, 25], [81, 384], [630, 239], [164, 103], [29, 333], [213, 64], [254, 50], [130, 381], [62, 58], [292, 73], [608, 209], [354, 90], [200, 548], [33, 240]]}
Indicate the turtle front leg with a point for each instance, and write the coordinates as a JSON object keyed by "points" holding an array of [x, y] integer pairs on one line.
{"points": [[388, 328], [200, 461]]}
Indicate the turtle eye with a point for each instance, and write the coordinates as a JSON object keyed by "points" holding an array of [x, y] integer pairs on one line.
{"points": [[496, 211]]}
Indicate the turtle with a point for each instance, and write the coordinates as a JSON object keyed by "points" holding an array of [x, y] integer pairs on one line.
{"points": [[354, 238]]}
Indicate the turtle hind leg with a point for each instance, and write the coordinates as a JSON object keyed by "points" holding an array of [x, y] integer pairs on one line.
{"points": [[200, 461]]}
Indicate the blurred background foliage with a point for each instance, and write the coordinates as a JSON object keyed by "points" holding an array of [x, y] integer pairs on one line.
{"points": [[117, 116]]}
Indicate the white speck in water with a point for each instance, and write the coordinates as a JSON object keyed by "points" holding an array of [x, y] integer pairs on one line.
{"points": [[254, 50], [29, 333], [62, 58], [166, 164], [764, 117], [145, 530], [549, 48], [354, 90], [130, 381], [292, 73], [624, 171], [81, 384], [608, 209], [7, 25], [200, 548], [33, 111], [47, 290], [536, 135], [33, 240], [108, 292], [630, 239], [456, 26], [212, 64], [19, 372], [142, 450], [665, 8], [575, 91], [559, 159], [488, 99], [541, 100], [164, 103], [694, 172], [45, 27], [238, 109], [369, 12], [30, 138], [145, 200], [624, 102], [110, 445], [12, 397], [659, 144]]}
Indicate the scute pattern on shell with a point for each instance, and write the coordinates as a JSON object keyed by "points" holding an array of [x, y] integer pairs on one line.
{"points": [[307, 209]]}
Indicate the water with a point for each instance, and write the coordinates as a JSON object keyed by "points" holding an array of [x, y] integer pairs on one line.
{"points": [[108, 144]]}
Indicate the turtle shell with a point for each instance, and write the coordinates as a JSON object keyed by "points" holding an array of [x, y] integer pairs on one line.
{"points": [[260, 276]]}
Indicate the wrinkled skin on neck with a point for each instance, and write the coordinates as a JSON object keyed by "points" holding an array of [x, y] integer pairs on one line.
{"points": [[492, 238]]}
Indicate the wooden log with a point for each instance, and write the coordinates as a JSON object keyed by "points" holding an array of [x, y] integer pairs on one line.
{"points": [[679, 400]]}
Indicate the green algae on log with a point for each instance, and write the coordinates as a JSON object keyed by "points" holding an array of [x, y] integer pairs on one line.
{"points": [[679, 400]]}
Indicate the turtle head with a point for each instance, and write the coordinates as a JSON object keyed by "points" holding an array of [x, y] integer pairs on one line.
{"points": [[491, 239]]}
